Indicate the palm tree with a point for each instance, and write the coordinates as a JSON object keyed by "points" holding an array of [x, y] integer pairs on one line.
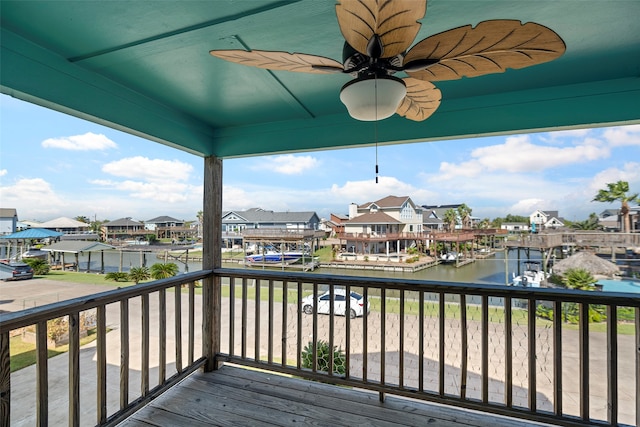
{"points": [[578, 278], [163, 271], [451, 218], [464, 213], [138, 274], [617, 191], [588, 224]]}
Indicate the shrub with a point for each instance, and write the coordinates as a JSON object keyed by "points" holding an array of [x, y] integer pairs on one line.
{"points": [[163, 271], [40, 266], [139, 274], [117, 276], [322, 351]]}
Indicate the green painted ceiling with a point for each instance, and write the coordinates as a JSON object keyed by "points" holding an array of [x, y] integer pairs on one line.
{"points": [[144, 67]]}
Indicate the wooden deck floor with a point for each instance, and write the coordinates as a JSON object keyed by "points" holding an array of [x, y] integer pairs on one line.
{"points": [[234, 396]]}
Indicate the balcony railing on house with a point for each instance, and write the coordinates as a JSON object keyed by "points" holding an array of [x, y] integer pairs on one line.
{"points": [[521, 352]]}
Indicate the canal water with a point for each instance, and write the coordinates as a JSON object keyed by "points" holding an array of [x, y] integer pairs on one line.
{"points": [[494, 270]]}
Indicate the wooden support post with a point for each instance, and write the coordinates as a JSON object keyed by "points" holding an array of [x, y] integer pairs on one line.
{"points": [[211, 259]]}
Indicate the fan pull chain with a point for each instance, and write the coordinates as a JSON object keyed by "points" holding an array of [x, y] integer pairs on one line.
{"points": [[375, 126]]}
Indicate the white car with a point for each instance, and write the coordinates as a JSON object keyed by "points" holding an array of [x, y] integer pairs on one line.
{"points": [[339, 304]]}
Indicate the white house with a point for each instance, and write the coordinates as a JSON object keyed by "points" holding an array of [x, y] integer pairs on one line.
{"points": [[545, 219]]}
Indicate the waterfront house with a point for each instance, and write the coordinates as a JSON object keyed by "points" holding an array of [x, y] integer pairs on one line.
{"points": [[545, 220], [390, 224], [144, 68], [610, 219], [238, 221], [166, 227], [515, 227], [123, 228], [8, 220]]}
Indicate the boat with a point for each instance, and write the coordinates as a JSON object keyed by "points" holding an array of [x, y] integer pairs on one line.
{"points": [[449, 257], [532, 277], [275, 257]]}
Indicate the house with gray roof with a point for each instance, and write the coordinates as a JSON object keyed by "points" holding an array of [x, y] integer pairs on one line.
{"points": [[8, 220], [237, 221], [390, 224]]}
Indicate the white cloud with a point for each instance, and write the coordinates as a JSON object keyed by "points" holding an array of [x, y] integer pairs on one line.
{"points": [[3, 172], [88, 141], [629, 172], [519, 154], [623, 136], [288, 164], [33, 195], [153, 170]]}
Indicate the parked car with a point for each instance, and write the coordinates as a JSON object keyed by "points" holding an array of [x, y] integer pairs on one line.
{"points": [[15, 271], [356, 305]]}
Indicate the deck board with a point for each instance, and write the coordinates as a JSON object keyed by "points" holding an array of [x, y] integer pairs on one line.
{"points": [[234, 396]]}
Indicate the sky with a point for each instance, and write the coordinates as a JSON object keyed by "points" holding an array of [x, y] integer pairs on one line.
{"points": [[53, 165]]}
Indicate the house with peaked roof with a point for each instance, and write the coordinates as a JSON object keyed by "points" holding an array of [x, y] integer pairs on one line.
{"points": [[166, 227], [237, 221], [390, 224], [545, 219], [610, 220], [8, 220], [335, 224], [122, 228]]}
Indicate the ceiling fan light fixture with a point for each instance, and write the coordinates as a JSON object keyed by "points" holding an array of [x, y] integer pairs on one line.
{"points": [[373, 98]]}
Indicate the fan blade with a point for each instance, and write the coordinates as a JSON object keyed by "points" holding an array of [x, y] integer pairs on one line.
{"points": [[394, 21], [422, 100], [299, 62], [490, 47]]}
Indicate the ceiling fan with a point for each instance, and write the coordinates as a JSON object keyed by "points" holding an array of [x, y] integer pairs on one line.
{"points": [[378, 36]]}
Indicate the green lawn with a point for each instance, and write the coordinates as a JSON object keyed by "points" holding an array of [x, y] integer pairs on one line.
{"points": [[23, 354]]}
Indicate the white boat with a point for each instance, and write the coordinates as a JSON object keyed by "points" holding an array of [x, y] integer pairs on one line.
{"points": [[532, 277], [275, 257], [449, 257]]}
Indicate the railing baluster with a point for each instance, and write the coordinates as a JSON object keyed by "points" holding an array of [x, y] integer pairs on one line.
{"points": [[637, 322], [42, 377], [74, 369], [283, 331], [441, 336], [243, 350], [485, 349], [383, 333], [5, 379], [101, 362], [508, 351], [612, 364], [531, 335], [299, 328], [270, 328], [124, 353], [256, 335], [365, 335], [144, 375], [583, 345], [557, 357], [162, 336], [315, 328], [177, 303], [463, 346], [332, 313], [192, 321], [421, 341], [232, 314], [347, 329], [401, 342]]}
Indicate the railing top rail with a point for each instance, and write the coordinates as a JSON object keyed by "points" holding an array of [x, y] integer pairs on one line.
{"points": [[546, 294], [19, 319]]}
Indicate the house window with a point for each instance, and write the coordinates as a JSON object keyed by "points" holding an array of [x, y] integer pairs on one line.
{"points": [[406, 212]]}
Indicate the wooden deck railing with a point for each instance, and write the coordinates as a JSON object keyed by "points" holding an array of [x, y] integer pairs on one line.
{"points": [[185, 355], [473, 346]]}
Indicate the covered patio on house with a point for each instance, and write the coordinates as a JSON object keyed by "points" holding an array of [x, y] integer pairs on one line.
{"points": [[145, 68]]}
